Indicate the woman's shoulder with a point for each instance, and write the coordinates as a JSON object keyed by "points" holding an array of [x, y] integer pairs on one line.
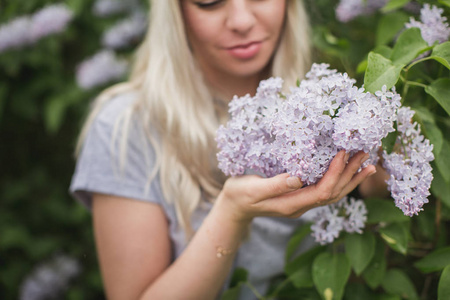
{"points": [[116, 106]]}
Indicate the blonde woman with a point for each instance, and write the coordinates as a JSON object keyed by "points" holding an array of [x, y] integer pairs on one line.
{"points": [[167, 224]]}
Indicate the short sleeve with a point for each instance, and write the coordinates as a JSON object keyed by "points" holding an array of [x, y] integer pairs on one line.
{"points": [[98, 168]]}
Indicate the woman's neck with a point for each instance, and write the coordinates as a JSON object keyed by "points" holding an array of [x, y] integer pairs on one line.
{"points": [[229, 86]]}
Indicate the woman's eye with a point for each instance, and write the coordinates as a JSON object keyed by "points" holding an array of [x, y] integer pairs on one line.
{"points": [[209, 4]]}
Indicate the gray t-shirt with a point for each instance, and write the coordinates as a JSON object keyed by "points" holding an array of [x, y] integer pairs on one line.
{"points": [[262, 254]]}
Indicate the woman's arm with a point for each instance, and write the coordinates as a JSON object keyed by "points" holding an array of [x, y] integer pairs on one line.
{"points": [[135, 251]]}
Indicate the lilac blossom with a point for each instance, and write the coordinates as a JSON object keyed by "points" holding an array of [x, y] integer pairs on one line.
{"points": [[50, 279], [246, 140], [50, 20], [348, 10], [302, 131], [348, 214], [99, 69], [409, 166], [15, 34], [324, 115], [125, 33], [26, 30], [433, 26]]}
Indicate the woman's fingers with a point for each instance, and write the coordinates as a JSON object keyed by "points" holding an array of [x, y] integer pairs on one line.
{"points": [[277, 185], [326, 185], [256, 188], [352, 167]]}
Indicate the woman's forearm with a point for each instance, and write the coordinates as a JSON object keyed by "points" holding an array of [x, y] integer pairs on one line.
{"points": [[201, 270]]}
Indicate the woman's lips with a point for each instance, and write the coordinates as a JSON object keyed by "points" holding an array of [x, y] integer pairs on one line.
{"points": [[245, 51]]}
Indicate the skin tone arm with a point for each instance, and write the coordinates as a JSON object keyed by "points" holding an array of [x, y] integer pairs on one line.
{"points": [[133, 243]]}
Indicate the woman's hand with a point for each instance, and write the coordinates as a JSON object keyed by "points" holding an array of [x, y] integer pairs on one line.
{"points": [[249, 196]]}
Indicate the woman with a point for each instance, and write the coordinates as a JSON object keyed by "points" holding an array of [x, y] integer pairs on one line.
{"points": [[147, 165]]}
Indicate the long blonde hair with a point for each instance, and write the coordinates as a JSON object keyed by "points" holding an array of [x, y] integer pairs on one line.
{"points": [[174, 100]]}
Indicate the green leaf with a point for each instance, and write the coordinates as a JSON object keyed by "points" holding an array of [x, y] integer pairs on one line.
{"points": [[394, 4], [357, 291], [233, 293], [381, 71], [295, 241], [435, 261], [443, 161], [299, 269], [440, 188], [444, 2], [54, 114], [382, 210], [388, 142], [330, 274], [396, 236], [441, 53], [360, 249], [440, 90], [444, 285], [375, 271], [389, 26], [239, 275], [238, 279], [383, 50], [398, 283], [408, 46]]}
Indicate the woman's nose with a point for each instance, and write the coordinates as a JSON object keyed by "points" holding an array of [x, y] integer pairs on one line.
{"points": [[240, 18]]}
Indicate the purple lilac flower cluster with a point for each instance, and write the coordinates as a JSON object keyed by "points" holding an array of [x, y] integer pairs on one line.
{"points": [[433, 26], [50, 279], [126, 32], [347, 10], [409, 166], [246, 141], [329, 221], [99, 69], [302, 131], [104, 66], [26, 30]]}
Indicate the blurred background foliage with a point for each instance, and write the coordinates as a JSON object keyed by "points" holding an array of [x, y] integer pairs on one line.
{"points": [[42, 107]]}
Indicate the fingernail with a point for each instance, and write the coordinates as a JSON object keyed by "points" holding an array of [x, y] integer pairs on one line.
{"points": [[373, 172], [346, 157], [294, 182]]}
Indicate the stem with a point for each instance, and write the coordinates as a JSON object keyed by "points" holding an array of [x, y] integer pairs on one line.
{"points": [[254, 291], [416, 62], [426, 287], [415, 83], [279, 288]]}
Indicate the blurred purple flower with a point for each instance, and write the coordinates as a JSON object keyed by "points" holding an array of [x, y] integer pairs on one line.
{"points": [[50, 279], [126, 32], [99, 69], [50, 20], [26, 30], [348, 10], [434, 26], [15, 34]]}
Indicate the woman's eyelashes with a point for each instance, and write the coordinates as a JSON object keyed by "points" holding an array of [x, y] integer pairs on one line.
{"points": [[208, 4]]}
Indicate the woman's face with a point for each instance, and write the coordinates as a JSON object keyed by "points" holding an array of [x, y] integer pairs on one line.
{"points": [[233, 37]]}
